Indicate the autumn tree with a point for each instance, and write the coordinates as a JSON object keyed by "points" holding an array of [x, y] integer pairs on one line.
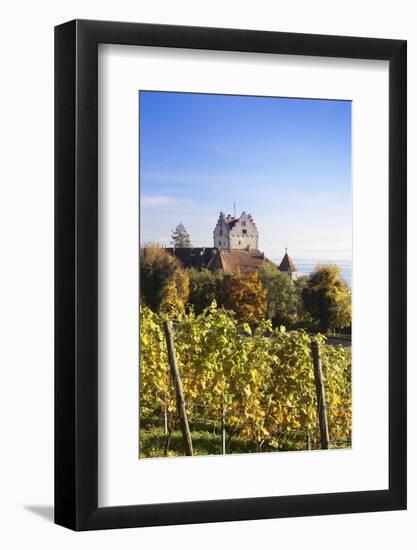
{"points": [[282, 296], [327, 298], [163, 283], [176, 292], [247, 297], [180, 237]]}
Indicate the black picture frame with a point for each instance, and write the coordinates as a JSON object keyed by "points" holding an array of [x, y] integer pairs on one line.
{"points": [[76, 272]]}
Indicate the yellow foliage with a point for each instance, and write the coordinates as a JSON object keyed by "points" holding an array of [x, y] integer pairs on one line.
{"points": [[247, 297], [176, 292], [263, 383]]}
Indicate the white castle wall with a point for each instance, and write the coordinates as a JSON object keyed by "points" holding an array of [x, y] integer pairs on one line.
{"points": [[221, 235], [242, 236]]}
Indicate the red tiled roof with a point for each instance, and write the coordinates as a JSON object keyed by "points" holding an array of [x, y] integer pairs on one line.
{"points": [[246, 261], [287, 264], [229, 261]]}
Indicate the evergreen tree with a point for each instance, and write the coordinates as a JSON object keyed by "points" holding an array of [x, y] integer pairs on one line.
{"points": [[180, 237]]}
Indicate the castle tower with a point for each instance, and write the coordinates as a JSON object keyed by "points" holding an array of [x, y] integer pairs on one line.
{"points": [[233, 233], [287, 266]]}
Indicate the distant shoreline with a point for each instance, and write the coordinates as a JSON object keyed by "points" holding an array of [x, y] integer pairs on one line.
{"points": [[305, 267]]}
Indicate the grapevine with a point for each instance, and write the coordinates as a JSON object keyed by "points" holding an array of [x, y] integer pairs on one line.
{"points": [[261, 379]]}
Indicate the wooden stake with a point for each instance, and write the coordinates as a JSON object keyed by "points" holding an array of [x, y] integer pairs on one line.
{"points": [[165, 421], [179, 394], [223, 431], [321, 398]]}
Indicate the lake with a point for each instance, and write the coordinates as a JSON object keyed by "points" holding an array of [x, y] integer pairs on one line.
{"points": [[305, 267]]}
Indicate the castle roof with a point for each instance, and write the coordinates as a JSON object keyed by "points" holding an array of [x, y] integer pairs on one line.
{"points": [[229, 261], [287, 264], [229, 220], [197, 257], [246, 261]]}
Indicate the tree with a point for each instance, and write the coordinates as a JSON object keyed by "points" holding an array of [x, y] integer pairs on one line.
{"points": [[247, 297], [176, 292], [327, 298], [180, 237], [205, 287], [282, 296], [304, 319], [163, 284]]}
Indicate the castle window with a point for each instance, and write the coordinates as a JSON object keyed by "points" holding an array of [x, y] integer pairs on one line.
{"points": [[244, 231], [221, 232], [244, 223]]}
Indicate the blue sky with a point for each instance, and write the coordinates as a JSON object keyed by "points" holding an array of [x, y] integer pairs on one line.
{"points": [[286, 161]]}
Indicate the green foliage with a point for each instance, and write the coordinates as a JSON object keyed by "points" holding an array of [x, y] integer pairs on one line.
{"points": [[263, 379], [206, 440], [164, 284], [327, 298], [205, 287], [180, 237], [303, 317], [155, 387], [246, 296], [338, 383], [156, 268], [282, 296]]}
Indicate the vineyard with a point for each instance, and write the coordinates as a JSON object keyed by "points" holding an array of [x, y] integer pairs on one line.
{"points": [[245, 389]]}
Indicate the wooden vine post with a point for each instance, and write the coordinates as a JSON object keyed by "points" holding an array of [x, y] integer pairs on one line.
{"points": [[223, 430], [320, 393], [179, 394]]}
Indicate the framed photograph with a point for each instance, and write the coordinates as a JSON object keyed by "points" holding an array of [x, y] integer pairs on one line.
{"points": [[230, 255]]}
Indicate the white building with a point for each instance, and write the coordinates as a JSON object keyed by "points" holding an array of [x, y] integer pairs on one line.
{"points": [[233, 233]]}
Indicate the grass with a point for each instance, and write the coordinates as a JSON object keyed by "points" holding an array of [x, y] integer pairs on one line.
{"points": [[205, 437], [207, 440]]}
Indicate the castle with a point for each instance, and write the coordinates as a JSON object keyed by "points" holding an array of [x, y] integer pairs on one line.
{"points": [[235, 233], [235, 248]]}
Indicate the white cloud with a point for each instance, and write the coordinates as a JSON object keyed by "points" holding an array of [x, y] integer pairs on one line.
{"points": [[156, 201]]}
